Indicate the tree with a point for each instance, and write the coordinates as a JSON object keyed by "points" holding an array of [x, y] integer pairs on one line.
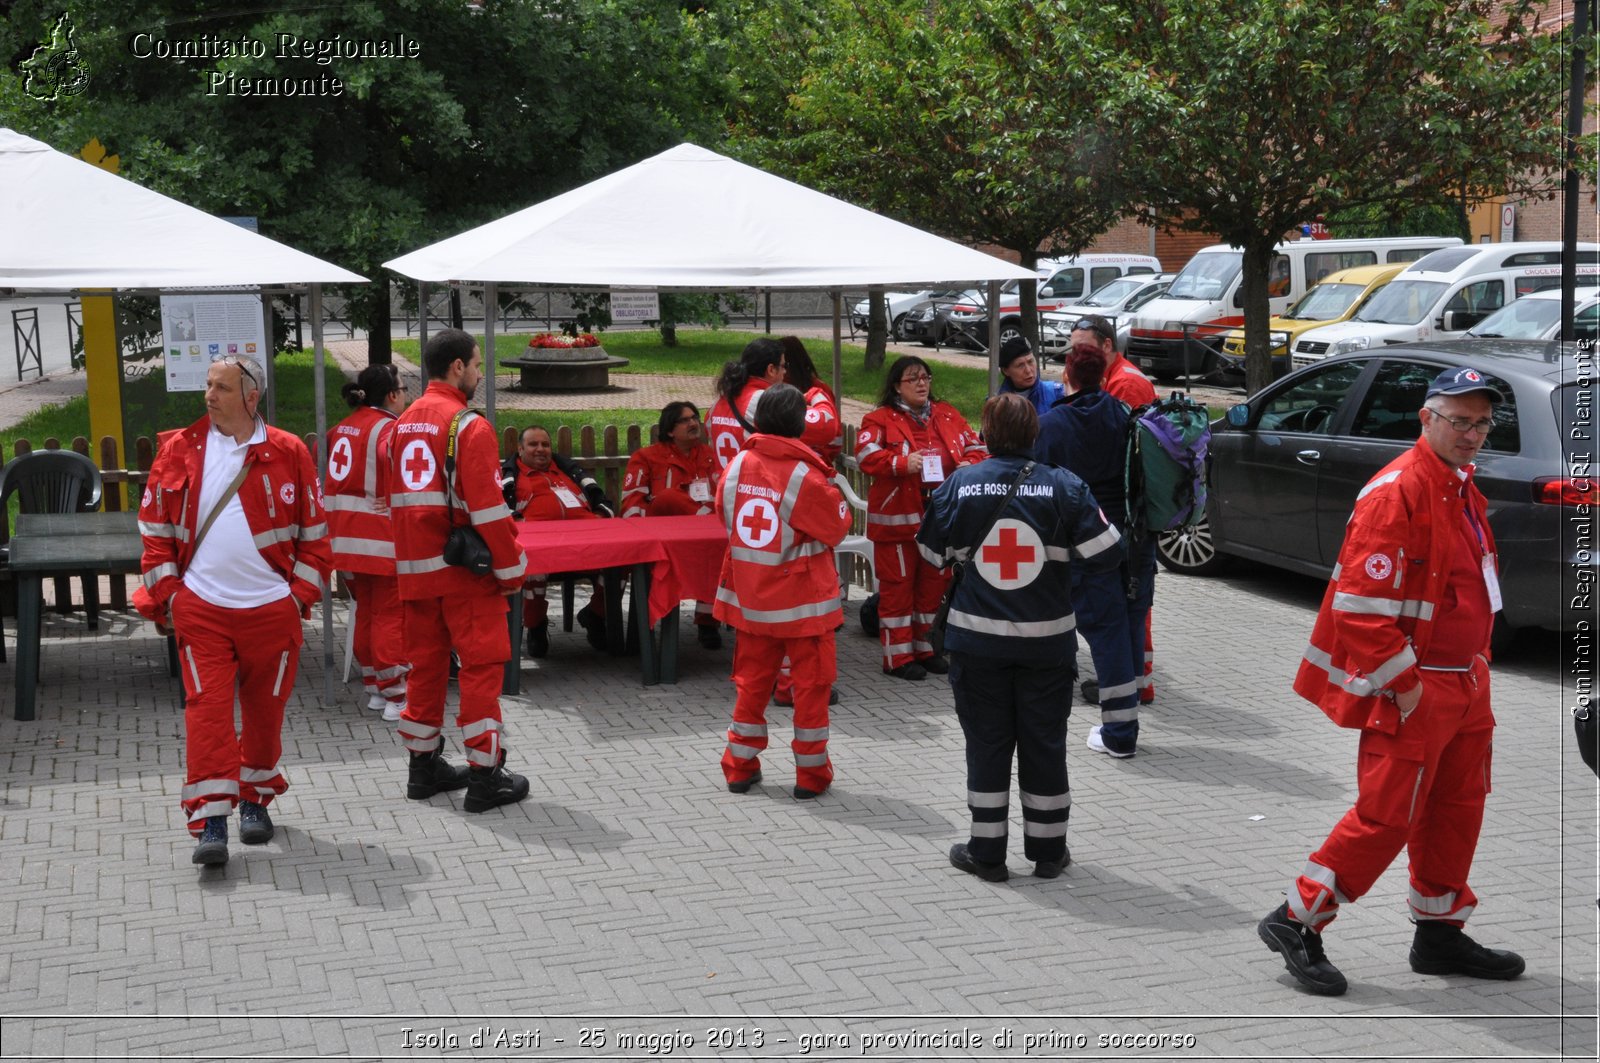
{"points": [[974, 119], [1249, 124], [502, 103]]}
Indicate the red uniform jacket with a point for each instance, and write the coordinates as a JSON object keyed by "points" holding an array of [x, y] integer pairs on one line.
{"points": [[356, 492], [784, 517], [1125, 383], [823, 432], [889, 449], [658, 478], [281, 504], [539, 495], [1377, 616], [423, 514], [727, 434]]}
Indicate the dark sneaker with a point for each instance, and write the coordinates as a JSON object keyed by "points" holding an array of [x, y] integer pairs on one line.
{"points": [[744, 786], [1301, 949], [594, 627], [910, 670], [432, 774], [710, 637], [935, 665], [1090, 689], [961, 858], [539, 641], [492, 787], [255, 826], [212, 850], [802, 793], [1439, 948], [1052, 868]]}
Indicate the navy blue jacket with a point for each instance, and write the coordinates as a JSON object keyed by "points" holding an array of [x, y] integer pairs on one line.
{"points": [[1087, 434], [1015, 600]]}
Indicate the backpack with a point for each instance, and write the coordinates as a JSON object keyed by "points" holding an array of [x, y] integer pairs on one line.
{"points": [[1167, 471]]}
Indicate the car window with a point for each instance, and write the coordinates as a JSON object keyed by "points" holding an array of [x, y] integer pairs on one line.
{"points": [[1067, 283], [1401, 302], [1321, 263], [1586, 323], [1479, 297], [1150, 293], [1100, 276], [1312, 403], [1389, 410]]}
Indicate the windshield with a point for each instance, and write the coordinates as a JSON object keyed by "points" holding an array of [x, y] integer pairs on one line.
{"points": [[1207, 276], [1525, 319], [1113, 293], [1401, 302], [1325, 302]]}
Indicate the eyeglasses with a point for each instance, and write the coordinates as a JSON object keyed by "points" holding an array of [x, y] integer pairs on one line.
{"points": [[1462, 424], [244, 370], [688, 418], [916, 378]]}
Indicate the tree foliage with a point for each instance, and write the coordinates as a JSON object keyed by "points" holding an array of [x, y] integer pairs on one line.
{"points": [[1252, 123]]}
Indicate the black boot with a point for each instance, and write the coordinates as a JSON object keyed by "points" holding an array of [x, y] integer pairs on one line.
{"points": [[1440, 948], [710, 636], [594, 627], [255, 826], [539, 640], [212, 849], [492, 787], [1301, 949], [432, 774]]}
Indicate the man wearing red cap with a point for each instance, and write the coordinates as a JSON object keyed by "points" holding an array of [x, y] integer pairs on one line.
{"points": [[1400, 650]]}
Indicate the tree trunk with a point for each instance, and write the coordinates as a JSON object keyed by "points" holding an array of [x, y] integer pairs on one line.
{"points": [[877, 329], [1257, 312], [669, 334], [1029, 290]]}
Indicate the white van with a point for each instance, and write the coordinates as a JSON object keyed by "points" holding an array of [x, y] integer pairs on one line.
{"points": [[1205, 300], [1446, 293], [1061, 281]]}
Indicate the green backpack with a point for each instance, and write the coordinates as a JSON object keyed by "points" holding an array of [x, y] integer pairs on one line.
{"points": [[1167, 471]]}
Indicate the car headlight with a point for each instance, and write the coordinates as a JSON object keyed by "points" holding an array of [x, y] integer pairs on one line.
{"points": [[1350, 343], [1173, 326], [963, 312]]}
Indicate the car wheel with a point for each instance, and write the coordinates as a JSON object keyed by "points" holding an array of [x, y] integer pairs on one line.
{"points": [[895, 327], [1502, 636], [1189, 551], [1008, 328]]}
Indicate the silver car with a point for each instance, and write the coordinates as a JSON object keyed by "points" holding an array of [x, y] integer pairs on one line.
{"points": [[1116, 301]]}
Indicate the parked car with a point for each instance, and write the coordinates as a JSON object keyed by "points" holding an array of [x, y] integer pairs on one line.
{"points": [[1336, 298], [1116, 300], [1538, 317], [897, 305], [1287, 463], [1061, 282]]}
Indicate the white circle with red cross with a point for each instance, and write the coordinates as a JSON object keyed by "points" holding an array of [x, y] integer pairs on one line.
{"points": [[340, 459], [1011, 557], [417, 465], [757, 523], [727, 447]]}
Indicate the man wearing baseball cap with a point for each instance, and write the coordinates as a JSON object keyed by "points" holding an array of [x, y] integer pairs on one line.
{"points": [[1400, 651]]}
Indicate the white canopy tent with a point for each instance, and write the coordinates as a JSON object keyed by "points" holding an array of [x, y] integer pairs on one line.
{"points": [[692, 219], [68, 226]]}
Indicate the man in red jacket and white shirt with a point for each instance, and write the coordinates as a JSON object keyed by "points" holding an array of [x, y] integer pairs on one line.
{"points": [[449, 606], [779, 589], [1400, 650], [236, 549]]}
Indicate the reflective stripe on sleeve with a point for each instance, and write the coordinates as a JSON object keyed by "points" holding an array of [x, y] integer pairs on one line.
{"points": [[1372, 606], [421, 566], [489, 514], [1100, 543]]}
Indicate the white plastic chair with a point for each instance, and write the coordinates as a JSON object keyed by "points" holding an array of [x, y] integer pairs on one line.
{"points": [[859, 545]]}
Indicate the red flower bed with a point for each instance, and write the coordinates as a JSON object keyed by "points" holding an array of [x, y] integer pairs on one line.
{"points": [[557, 339]]}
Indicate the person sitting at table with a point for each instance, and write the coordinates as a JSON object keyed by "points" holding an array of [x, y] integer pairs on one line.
{"points": [[674, 477], [540, 484], [236, 549], [779, 589], [356, 496]]}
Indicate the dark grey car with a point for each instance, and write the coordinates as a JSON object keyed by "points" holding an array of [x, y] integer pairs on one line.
{"points": [[1286, 466]]}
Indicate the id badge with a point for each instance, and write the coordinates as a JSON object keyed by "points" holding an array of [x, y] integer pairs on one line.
{"points": [[932, 469], [567, 498], [1491, 583], [700, 491]]}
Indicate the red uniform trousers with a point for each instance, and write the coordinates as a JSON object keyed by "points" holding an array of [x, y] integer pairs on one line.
{"points": [[257, 650], [1422, 790], [755, 667], [380, 639], [475, 625], [909, 591]]}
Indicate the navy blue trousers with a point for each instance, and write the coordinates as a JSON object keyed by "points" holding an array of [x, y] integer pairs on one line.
{"points": [[1113, 626]]}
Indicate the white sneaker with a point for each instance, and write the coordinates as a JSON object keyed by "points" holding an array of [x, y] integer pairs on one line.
{"points": [[376, 701], [1097, 744], [392, 710]]}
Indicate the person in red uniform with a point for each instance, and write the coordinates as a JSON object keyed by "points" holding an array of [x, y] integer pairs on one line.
{"points": [[235, 554], [675, 477], [356, 496], [909, 444], [540, 484], [779, 589], [739, 388], [449, 606], [824, 433], [1123, 382], [1400, 650]]}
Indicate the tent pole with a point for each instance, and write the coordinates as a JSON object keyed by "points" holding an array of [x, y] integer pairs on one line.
{"points": [[270, 360], [490, 297], [838, 357], [994, 337], [320, 391], [422, 314]]}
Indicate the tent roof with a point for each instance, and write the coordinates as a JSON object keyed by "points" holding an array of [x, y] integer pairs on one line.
{"points": [[65, 224], [690, 218]]}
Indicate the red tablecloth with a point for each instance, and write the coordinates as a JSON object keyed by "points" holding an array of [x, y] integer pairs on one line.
{"points": [[684, 553]]}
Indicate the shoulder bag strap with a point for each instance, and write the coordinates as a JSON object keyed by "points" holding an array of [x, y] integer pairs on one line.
{"points": [[222, 503]]}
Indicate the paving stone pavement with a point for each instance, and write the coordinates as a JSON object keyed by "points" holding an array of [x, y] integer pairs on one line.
{"points": [[632, 893]]}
